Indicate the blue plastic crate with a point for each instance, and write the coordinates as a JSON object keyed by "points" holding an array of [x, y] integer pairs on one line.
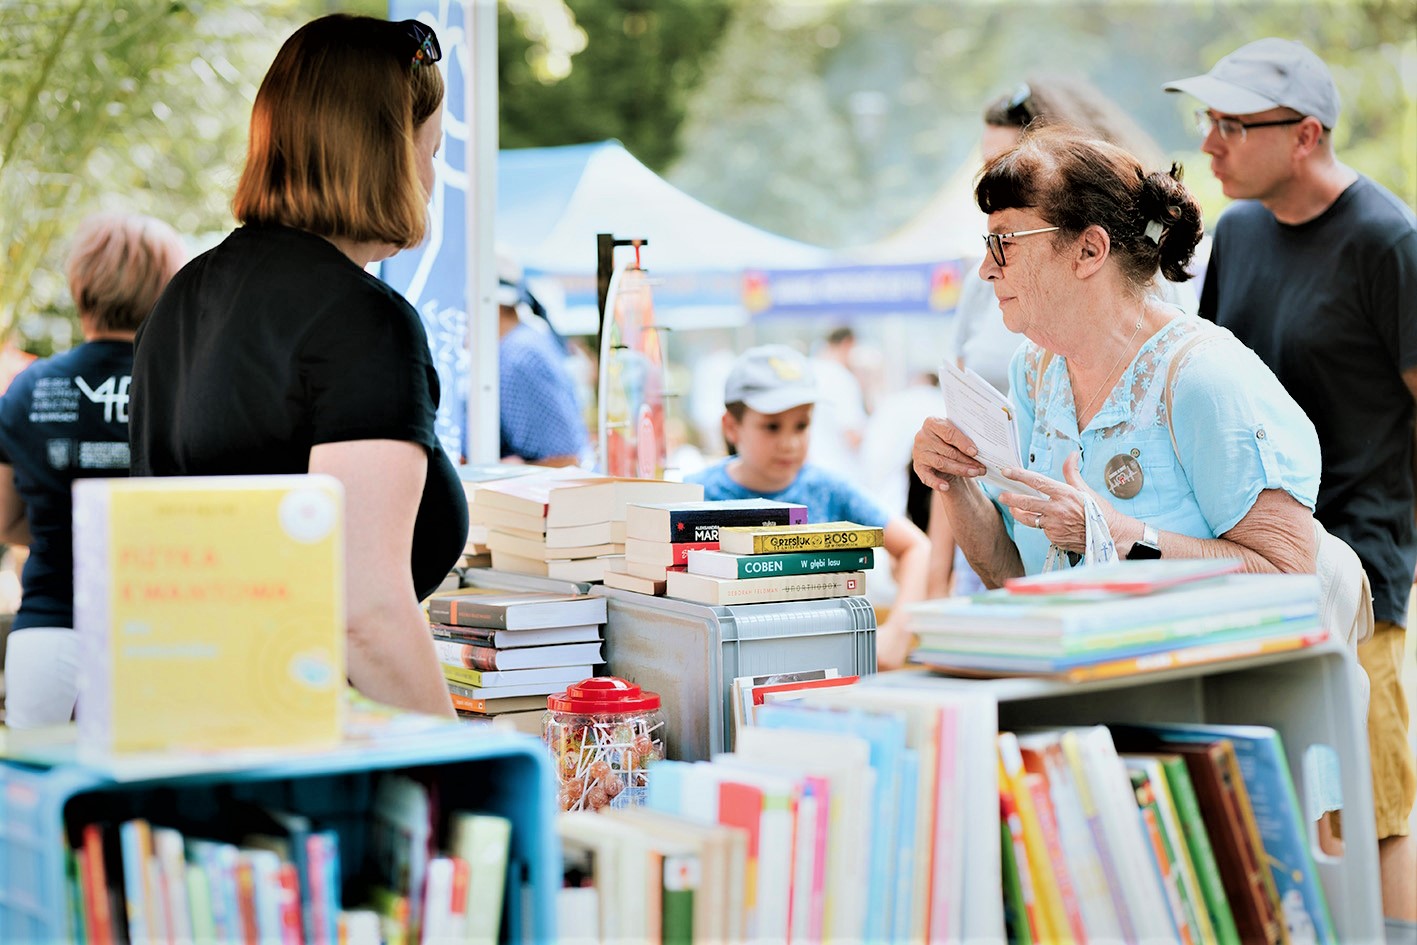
{"points": [[489, 771]]}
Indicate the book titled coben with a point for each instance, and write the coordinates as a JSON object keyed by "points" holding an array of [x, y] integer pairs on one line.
{"points": [[210, 612]]}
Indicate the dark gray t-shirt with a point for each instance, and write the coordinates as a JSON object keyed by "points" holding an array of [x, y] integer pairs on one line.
{"points": [[1331, 306]]}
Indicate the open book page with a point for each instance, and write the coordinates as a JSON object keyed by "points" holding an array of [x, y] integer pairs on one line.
{"points": [[987, 417]]}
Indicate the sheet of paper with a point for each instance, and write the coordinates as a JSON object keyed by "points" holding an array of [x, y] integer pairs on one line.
{"points": [[987, 417]]}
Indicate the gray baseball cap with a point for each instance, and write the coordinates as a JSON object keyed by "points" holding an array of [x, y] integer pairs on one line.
{"points": [[771, 379], [1268, 73]]}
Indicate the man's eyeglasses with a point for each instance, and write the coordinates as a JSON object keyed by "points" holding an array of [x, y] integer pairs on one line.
{"points": [[426, 51], [995, 241], [1233, 129]]}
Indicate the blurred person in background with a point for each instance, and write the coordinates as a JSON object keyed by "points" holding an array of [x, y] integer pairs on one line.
{"points": [[276, 352], [770, 398], [839, 420], [540, 414], [982, 342], [66, 418], [1315, 267]]}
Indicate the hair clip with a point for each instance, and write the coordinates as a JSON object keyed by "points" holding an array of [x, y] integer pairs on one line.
{"points": [[427, 51], [1154, 231]]}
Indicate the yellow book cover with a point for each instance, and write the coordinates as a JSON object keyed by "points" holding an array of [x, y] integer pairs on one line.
{"points": [[823, 536], [210, 612], [1051, 911]]}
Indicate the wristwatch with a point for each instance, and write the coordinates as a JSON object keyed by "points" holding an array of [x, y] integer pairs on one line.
{"points": [[1147, 546]]}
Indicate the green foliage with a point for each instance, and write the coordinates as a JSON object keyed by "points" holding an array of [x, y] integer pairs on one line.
{"points": [[642, 60], [136, 105], [835, 123]]}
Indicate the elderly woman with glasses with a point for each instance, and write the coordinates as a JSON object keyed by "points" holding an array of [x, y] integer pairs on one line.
{"points": [[275, 352], [1175, 434]]}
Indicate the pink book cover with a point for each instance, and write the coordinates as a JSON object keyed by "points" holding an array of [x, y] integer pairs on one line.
{"points": [[741, 805], [820, 789], [944, 863]]}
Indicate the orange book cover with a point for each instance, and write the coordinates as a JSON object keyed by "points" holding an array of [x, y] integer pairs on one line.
{"points": [[741, 805], [1036, 780], [94, 878], [1009, 814], [1052, 915]]}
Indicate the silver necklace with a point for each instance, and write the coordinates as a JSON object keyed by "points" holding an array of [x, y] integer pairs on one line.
{"points": [[1103, 386]]}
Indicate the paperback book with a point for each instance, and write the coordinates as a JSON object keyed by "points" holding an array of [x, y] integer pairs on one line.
{"points": [[825, 536]]}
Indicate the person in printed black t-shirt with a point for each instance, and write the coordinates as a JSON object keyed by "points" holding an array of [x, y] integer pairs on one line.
{"points": [[66, 418], [276, 352]]}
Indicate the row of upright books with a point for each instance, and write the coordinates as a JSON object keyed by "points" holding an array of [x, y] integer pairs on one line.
{"points": [[885, 813], [261, 875]]}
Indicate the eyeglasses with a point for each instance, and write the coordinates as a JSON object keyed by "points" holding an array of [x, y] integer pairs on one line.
{"points": [[1233, 129], [427, 51], [995, 241]]}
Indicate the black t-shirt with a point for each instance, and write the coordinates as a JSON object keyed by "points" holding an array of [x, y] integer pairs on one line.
{"points": [[63, 418], [274, 342], [1331, 306]]}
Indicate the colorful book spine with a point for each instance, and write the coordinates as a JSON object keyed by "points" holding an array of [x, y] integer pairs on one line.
{"points": [[1197, 655], [1162, 853], [1020, 906], [701, 525], [1052, 918], [725, 565], [833, 536], [1188, 811]]}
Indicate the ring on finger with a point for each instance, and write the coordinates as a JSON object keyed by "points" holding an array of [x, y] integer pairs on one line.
{"points": [[1038, 520]]}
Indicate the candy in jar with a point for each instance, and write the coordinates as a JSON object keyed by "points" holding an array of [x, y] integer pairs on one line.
{"points": [[603, 733]]}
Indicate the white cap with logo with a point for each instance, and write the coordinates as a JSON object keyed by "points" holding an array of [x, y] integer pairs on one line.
{"points": [[1268, 73], [771, 379]]}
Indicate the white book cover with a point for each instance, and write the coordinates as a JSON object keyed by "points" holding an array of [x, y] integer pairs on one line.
{"points": [[987, 417], [845, 761]]}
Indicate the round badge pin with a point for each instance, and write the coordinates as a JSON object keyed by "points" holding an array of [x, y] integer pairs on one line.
{"points": [[1124, 476]]}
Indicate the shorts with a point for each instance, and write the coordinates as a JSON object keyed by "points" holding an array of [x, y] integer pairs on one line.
{"points": [[41, 676], [1394, 774]]}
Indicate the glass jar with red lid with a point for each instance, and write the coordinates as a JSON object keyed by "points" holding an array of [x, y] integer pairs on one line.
{"points": [[603, 732]]}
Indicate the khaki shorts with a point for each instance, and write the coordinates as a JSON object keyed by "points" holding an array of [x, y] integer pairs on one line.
{"points": [[1394, 776]]}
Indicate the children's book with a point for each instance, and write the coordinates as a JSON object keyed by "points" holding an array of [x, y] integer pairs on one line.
{"points": [[211, 613], [1124, 577]]}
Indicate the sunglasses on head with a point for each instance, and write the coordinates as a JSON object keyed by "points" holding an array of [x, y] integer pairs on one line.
{"points": [[426, 49]]}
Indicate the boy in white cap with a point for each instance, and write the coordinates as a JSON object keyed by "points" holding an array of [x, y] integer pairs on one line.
{"points": [[1315, 268], [767, 423]]}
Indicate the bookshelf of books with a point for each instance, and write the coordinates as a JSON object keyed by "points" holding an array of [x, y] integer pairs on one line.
{"points": [[451, 779], [1307, 696]]}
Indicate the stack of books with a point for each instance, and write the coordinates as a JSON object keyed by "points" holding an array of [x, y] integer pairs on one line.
{"points": [[564, 528], [504, 652], [477, 554], [1119, 619], [778, 563], [659, 536]]}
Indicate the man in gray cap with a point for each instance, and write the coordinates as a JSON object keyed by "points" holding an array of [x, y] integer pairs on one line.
{"points": [[1315, 268]]}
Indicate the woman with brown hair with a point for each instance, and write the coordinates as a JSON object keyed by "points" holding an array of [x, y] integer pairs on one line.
{"points": [[275, 352], [66, 418], [1163, 426]]}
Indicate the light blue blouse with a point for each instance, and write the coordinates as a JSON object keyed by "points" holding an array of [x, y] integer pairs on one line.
{"points": [[1238, 432]]}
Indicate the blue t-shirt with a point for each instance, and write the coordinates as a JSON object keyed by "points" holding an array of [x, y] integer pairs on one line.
{"points": [[1238, 433], [828, 498], [540, 415]]}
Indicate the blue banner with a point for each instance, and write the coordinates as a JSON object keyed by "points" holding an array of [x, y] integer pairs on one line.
{"points": [[433, 276], [913, 289]]}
